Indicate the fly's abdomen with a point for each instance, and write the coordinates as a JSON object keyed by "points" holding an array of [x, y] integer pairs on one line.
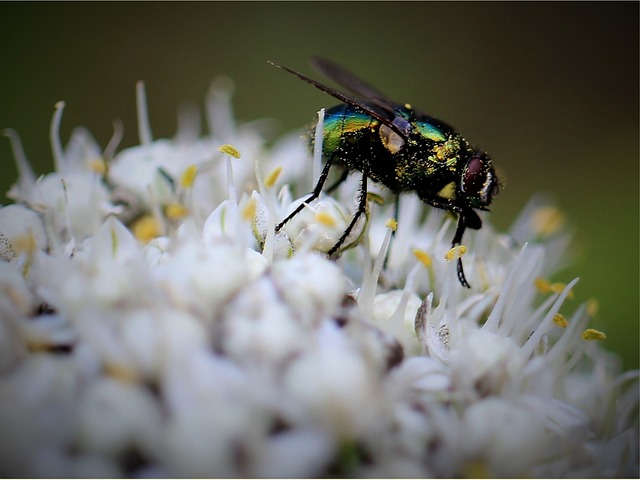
{"points": [[352, 139], [347, 135]]}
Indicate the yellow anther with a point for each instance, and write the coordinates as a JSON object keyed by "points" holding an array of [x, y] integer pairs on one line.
{"points": [[476, 469], [272, 178], [592, 334], [146, 228], [558, 287], [455, 253], [392, 223], [548, 220], [375, 198], [249, 211], [325, 219], [15, 297], [188, 176], [592, 307], [38, 347], [121, 372], [98, 165], [229, 150], [176, 211], [542, 284], [25, 243], [545, 286], [560, 320], [423, 257]]}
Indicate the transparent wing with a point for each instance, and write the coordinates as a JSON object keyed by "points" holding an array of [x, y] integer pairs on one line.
{"points": [[348, 80], [380, 110]]}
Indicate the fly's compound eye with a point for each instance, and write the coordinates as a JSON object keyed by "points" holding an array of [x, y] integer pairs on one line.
{"points": [[473, 178], [478, 180]]}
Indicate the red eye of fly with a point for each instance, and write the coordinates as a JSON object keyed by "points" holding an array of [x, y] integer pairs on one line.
{"points": [[473, 179]]}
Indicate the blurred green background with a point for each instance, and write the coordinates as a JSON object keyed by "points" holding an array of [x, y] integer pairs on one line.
{"points": [[549, 89]]}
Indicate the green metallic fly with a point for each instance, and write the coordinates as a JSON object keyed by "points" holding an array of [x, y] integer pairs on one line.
{"points": [[402, 149]]}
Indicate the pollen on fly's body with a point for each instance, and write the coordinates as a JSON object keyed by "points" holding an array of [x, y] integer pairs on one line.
{"points": [[401, 148]]}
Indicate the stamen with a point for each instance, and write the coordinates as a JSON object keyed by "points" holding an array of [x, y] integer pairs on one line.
{"points": [[234, 224], [114, 141], [176, 211], [121, 373], [146, 228], [592, 334], [423, 257], [392, 223], [26, 177], [548, 220], [272, 177], [98, 165], [249, 211], [536, 336], [543, 285], [476, 469], [558, 287], [25, 243], [54, 136], [455, 253], [218, 109], [370, 282], [229, 150], [317, 147], [188, 176], [592, 307], [144, 128], [325, 219], [268, 246], [560, 320]]}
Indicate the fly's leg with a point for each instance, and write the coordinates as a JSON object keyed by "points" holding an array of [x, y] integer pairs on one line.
{"points": [[457, 240], [362, 206], [316, 192]]}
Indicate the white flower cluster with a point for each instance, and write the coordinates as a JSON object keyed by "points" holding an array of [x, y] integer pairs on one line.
{"points": [[153, 324]]}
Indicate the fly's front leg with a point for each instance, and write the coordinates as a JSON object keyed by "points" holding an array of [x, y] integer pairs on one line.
{"points": [[457, 240], [467, 218]]}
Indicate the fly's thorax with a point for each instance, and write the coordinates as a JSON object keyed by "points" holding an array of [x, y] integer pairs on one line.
{"points": [[426, 162]]}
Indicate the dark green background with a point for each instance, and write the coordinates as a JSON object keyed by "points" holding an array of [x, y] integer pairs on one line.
{"points": [[549, 89]]}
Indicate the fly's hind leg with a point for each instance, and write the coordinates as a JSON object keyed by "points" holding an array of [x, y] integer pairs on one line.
{"points": [[315, 194], [362, 207]]}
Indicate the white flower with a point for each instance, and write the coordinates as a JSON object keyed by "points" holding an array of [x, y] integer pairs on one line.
{"points": [[22, 233], [153, 323], [505, 435], [336, 388], [134, 419]]}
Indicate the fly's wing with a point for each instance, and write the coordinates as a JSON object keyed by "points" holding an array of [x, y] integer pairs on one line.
{"points": [[383, 112], [352, 83]]}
